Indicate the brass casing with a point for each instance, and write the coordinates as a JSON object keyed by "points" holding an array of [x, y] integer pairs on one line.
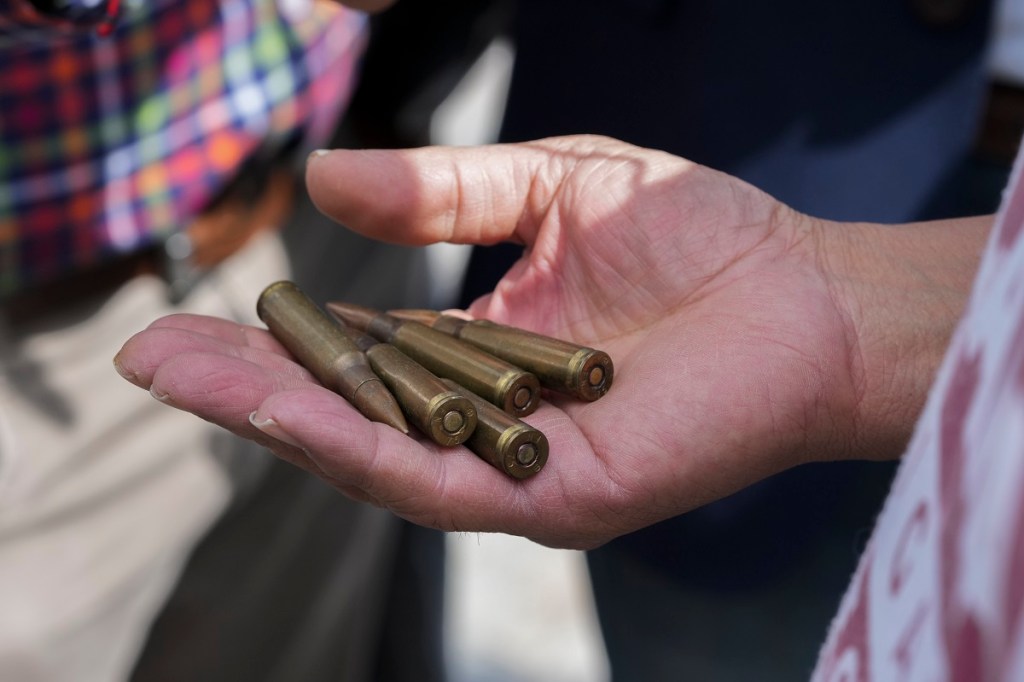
{"points": [[321, 347], [504, 442], [509, 387], [561, 366], [445, 416]]}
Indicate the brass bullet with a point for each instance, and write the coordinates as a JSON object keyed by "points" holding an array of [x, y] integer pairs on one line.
{"points": [[509, 387], [559, 365], [445, 416], [503, 441], [319, 344]]}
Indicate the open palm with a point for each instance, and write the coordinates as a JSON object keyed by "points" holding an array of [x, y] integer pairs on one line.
{"points": [[733, 360]]}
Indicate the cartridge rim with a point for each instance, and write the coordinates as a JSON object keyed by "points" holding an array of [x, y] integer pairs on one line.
{"points": [[517, 440], [593, 371], [451, 419], [519, 393]]}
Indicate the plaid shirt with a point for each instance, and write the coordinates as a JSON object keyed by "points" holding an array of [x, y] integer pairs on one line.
{"points": [[119, 124]]}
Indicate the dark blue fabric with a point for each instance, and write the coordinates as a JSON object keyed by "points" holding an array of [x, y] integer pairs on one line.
{"points": [[846, 110]]}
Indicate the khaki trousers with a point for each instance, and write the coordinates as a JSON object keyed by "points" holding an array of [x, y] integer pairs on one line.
{"points": [[103, 490]]}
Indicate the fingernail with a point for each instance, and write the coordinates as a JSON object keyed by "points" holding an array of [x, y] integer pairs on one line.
{"points": [[160, 395], [317, 153], [274, 430], [125, 373], [457, 312]]}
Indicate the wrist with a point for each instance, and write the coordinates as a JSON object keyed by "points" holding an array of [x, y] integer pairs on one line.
{"points": [[901, 290]]}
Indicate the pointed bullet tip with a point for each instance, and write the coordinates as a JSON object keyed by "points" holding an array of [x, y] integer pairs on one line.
{"points": [[356, 316], [427, 317], [378, 404]]}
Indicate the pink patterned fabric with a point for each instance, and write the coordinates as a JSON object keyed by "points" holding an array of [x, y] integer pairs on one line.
{"points": [[939, 594]]}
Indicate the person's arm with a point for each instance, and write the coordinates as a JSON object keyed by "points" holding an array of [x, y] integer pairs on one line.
{"points": [[747, 337], [903, 289]]}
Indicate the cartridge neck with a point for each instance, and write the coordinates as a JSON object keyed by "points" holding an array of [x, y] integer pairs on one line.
{"points": [[363, 341], [384, 327], [449, 325]]}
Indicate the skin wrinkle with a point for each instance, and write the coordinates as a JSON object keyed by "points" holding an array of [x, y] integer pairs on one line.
{"points": [[697, 293], [365, 479], [890, 371], [590, 256], [814, 376], [854, 362], [693, 297], [645, 441], [540, 494], [199, 344], [289, 453], [312, 465], [597, 268], [236, 334], [328, 470], [548, 264], [531, 224], [406, 505], [581, 538], [517, 503], [800, 421], [370, 447], [622, 484], [638, 323], [654, 294], [455, 214], [485, 218], [608, 166], [815, 369], [440, 488], [487, 207], [509, 179], [551, 530], [224, 379], [737, 413], [544, 255], [258, 339]]}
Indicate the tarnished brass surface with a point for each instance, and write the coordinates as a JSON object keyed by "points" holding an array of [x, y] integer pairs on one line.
{"points": [[565, 367], [445, 416], [503, 441], [334, 359], [511, 388]]}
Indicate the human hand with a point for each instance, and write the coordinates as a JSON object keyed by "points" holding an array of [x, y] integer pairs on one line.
{"points": [[739, 351]]}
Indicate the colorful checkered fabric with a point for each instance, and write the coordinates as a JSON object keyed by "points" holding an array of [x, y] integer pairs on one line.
{"points": [[119, 124]]}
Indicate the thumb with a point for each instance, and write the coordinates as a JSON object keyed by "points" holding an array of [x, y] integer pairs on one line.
{"points": [[463, 195]]}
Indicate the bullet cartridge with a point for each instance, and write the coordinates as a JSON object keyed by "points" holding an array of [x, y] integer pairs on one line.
{"points": [[503, 441], [445, 416], [499, 382], [319, 344], [559, 365]]}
